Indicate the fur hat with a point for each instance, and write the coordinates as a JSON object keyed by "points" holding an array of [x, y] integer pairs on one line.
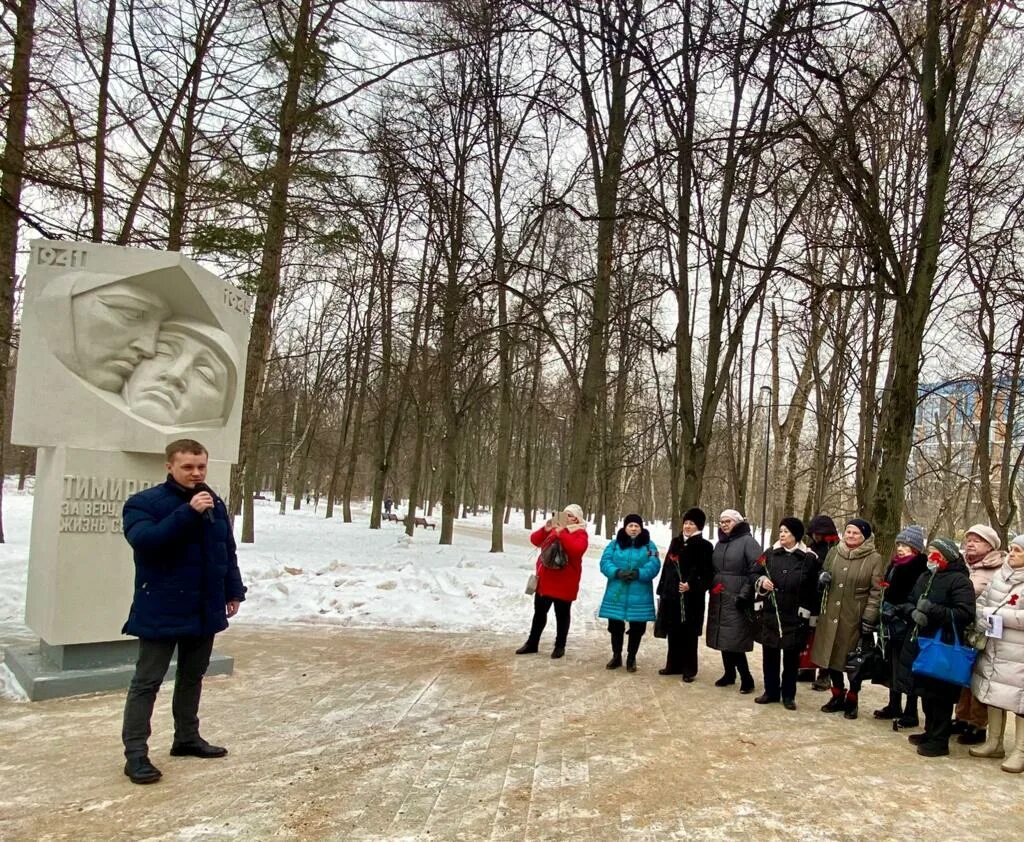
{"points": [[696, 516], [731, 514], [947, 548], [794, 525], [862, 525], [575, 510], [628, 519], [986, 533], [912, 536]]}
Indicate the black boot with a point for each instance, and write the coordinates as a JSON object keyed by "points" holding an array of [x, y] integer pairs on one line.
{"points": [[140, 771], [836, 703], [891, 710], [631, 649], [615, 662], [850, 707], [527, 648]]}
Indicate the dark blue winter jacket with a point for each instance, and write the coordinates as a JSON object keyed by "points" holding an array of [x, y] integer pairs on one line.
{"points": [[186, 569]]}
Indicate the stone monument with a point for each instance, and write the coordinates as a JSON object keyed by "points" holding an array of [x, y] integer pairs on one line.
{"points": [[122, 351]]}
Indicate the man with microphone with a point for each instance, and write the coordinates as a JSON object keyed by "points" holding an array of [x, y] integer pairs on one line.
{"points": [[187, 585]]}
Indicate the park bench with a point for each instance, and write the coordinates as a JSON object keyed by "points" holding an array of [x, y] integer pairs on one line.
{"points": [[422, 521], [391, 516]]}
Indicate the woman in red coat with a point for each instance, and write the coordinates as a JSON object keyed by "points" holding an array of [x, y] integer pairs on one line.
{"points": [[558, 587]]}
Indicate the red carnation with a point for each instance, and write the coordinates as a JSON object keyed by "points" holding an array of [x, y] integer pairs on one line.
{"points": [[718, 588], [1014, 598], [883, 584], [763, 560]]}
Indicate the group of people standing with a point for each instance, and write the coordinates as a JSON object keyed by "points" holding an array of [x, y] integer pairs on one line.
{"points": [[814, 600]]}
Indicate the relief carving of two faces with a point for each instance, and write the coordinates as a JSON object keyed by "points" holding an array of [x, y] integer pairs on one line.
{"points": [[124, 340]]}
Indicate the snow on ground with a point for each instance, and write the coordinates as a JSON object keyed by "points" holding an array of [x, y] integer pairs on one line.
{"points": [[304, 568]]}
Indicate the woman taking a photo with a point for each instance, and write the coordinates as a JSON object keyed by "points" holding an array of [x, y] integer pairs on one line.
{"points": [[682, 588], [557, 587], [730, 625], [851, 581], [630, 562]]}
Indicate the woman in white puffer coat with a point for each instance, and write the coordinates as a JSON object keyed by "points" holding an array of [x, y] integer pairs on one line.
{"points": [[998, 679]]}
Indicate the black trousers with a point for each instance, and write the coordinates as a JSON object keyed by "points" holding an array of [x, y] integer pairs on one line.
{"points": [[838, 677], [682, 651], [938, 720], [617, 629], [789, 659], [736, 662], [150, 669], [541, 604]]}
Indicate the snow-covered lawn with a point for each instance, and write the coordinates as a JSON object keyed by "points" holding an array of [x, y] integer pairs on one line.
{"points": [[304, 568]]}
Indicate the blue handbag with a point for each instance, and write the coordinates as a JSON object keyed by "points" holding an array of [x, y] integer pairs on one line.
{"points": [[946, 661]]}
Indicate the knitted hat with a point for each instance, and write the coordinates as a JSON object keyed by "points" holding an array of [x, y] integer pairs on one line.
{"points": [[822, 525], [986, 533], [862, 525], [1019, 541], [574, 510], [794, 525], [697, 516], [731, 514], [628, 519], [946, 547], [912, 536]]}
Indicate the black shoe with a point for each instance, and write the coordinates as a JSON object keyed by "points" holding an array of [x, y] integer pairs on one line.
{"points": [[140, 771], [615, 662], [917, 739], [765, 699], [527, 649], [726, 681], [888, 712], [558, 652], [850, 708], [905, 722], [631, 663], [932, 750], [972, 736], [789, 704], [822, 682], [667, 671], [747, 685], [835, 704], [688, 679], [198, 748], [959, 726]]}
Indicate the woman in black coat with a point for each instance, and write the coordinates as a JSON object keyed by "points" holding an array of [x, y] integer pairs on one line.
{"points": [[730, 624], [785, 589], [682, 589], [905, 568], [942, 599]]}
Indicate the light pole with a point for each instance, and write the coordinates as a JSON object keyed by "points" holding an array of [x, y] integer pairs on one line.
{"points": [[766, 402]]}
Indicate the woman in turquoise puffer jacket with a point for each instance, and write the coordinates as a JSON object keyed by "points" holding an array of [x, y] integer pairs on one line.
{"points": [[631, 564]]}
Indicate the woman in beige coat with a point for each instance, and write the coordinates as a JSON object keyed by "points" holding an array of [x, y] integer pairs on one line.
{"points": [[851, 577], [998, 679]]}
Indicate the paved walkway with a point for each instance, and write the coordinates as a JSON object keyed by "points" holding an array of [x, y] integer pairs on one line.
{"points": [[357, 735]]}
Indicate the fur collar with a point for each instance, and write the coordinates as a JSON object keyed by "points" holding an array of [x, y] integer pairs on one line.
{"points": [[738, 531], [641, 540]]}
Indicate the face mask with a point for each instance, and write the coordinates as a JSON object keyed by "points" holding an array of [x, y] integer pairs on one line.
{"points": [[933, 566], [936, 561]]}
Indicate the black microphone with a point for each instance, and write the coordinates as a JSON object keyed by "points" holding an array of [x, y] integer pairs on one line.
{"points": [[208, 514]]}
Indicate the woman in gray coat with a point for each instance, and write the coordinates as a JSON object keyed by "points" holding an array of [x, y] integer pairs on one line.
{"points": [[730, 625]]}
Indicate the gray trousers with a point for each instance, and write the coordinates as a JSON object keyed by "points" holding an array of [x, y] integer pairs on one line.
{"points": [[154, 659]]}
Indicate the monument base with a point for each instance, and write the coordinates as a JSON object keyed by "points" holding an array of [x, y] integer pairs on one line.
{"points": [[53, 672]]}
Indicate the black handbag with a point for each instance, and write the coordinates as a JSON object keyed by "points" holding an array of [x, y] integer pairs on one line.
{"points": [[865, 663], [659, 621]]}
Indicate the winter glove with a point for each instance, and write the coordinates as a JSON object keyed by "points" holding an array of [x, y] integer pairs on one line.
{"points": [[825, 579], [634, 575], [919, 617], [924, 605], [625, 575], [888, 612]]}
